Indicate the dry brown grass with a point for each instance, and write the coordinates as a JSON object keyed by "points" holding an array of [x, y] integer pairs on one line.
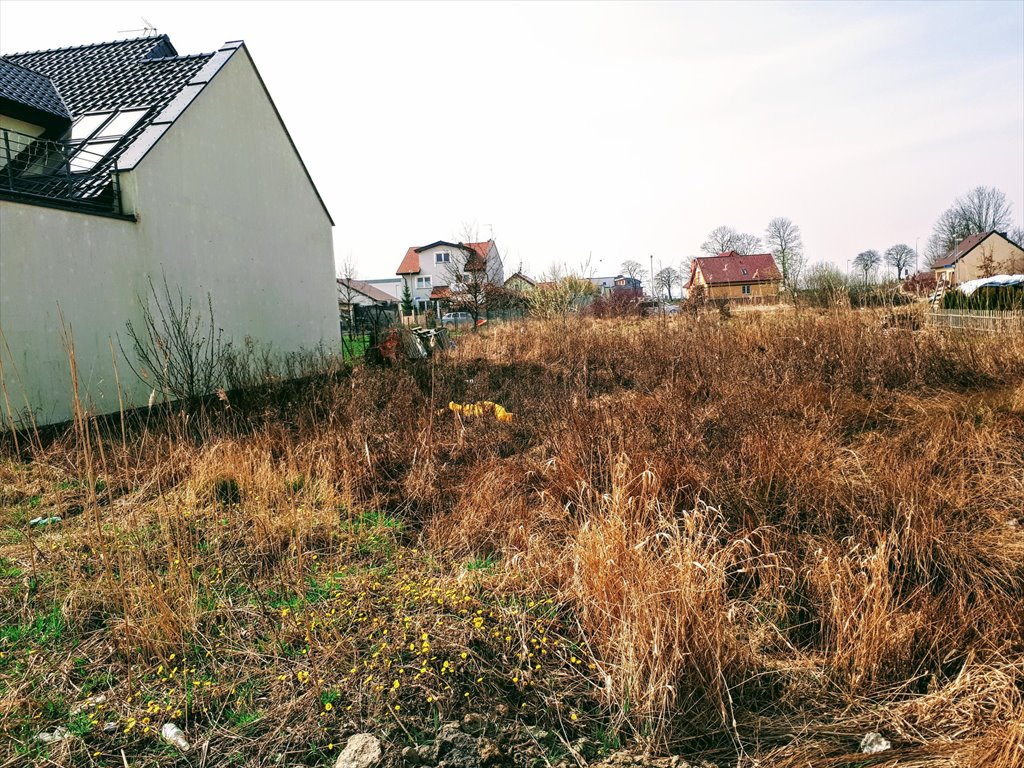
{"points": [[752, 539]]}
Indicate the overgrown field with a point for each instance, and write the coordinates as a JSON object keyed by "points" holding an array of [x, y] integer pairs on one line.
{"points": [[749, 540]]}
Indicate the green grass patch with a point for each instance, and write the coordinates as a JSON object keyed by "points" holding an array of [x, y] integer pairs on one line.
{"points": [[46, 628]]}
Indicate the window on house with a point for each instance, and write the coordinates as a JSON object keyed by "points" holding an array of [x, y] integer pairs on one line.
{"points": [[423, 282], [122, 123], [89, 155], [93, 136], [86, 125], [746, 290], [743, 270], [444, 257]]}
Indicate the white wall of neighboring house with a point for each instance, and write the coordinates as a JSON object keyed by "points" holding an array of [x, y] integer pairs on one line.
{"points": [[224, 207], [391, 286], [439, 274], [495, 266]]}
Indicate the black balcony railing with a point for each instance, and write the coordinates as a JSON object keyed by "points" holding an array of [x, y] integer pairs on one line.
{"points": [[57, 173]]}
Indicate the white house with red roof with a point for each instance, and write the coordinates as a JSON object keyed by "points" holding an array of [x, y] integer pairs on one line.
{"points": [[432, 272], [742, 277]]}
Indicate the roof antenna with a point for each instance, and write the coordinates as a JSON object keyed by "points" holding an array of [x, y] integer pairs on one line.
{"points": [[149, 30]]}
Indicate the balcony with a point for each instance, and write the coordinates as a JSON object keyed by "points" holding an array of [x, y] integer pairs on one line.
{"points": [[57, 174]]}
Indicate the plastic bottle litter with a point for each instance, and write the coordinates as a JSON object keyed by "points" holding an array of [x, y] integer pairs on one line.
{"points": [[53, 737], [172, 734]]}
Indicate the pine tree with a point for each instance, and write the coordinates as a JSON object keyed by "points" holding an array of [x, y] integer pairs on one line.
{"points": [[406, 299]]}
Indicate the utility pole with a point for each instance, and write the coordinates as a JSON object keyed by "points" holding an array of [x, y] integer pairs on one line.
{"points": [[654, 293]]}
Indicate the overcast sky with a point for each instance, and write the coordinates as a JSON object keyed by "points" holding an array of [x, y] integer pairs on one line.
{"points": [[617, 130]]}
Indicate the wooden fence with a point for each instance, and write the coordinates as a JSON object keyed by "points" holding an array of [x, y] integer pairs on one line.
{"points": [[991, 320]]}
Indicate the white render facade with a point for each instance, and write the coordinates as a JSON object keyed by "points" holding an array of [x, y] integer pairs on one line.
{"points": [[216, 201]]}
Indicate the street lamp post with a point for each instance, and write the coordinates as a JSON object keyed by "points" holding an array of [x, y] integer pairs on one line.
{"points": [[654, 293]]}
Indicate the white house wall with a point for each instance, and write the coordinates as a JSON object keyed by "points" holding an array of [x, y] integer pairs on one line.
{"points": [[440, 274], [224, 207]]}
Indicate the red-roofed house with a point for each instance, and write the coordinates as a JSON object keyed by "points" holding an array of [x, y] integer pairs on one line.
{"points": [[430, 271], [985, 252], [731, 275]]}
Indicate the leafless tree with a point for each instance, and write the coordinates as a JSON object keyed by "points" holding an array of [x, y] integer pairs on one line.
{"points": [[746, 243], [560, 292], [900, 257], [980, 210], [471, 275], [724, 239], [985, 208], [826, 283], [346, 293], [178, 349], [787, 246], [720, 240], [685, 266], [665, 278], [634, 269], [1016, 236], [987, 266], [866, 262]]}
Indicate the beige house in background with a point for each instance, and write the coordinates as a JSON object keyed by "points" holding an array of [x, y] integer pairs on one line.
{"points": [[752, 277], [980, 255], [130, 163], [520, 283]]}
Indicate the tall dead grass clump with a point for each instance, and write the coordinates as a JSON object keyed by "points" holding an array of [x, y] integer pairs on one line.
{"points": [[649, 587]]}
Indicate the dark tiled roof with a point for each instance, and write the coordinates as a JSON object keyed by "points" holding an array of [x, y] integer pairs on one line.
{"points": [[145, 72], [32, 91], [730, 267], [103, 77]]}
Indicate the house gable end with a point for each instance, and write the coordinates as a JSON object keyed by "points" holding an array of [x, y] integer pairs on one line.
{"points": [[198, 84]]}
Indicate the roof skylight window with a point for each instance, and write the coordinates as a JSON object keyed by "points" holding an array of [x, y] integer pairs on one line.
{"points": [[86, 125], [121, 124], [94, 136], [90, 155]]}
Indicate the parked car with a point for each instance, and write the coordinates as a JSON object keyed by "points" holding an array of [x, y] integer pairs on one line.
{"points": [[457, 318]]}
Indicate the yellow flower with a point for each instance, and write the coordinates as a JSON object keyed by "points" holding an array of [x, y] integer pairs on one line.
{"points": [[328, 706]]}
